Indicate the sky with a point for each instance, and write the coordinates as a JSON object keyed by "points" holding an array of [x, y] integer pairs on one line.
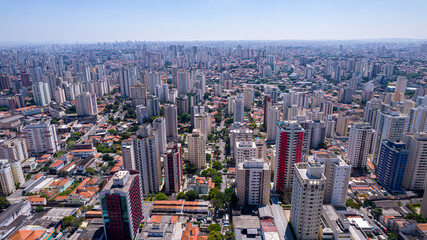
{"points": [[191, 20]]}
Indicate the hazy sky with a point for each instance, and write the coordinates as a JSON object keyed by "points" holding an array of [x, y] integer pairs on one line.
{"points": [[121, 20]]}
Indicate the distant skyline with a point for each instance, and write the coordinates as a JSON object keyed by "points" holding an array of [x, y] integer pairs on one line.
{"points": [[204, 20]]}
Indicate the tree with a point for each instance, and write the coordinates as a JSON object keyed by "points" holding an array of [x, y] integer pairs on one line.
{"points": [[71, 221], [71, 110], [185, 117], [415, 216], [215, 235], [161, 196], [4, 203], [217, 165], [181, 195], [392, 236], [378, 212], [191, 195], [107, 157], [189, 168], [216, 197], [351, 203], [214, 227], [39, 208], [112, 131], [230, 197], [217, 180], [208, 157], [218, 117]]}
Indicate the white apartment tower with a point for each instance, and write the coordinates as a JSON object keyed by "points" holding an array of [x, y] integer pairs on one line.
{"points": [[86, 104], [253, 182], [147, 159], [197, 149], [273, 116], [337, 173], [41, 137], [171, 118], [245, 150], [307, 199], [160, 125], [359, 144], [415, 177], [238, 113]]}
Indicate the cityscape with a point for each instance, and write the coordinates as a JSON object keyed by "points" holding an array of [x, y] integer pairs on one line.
{"points": [[194, 139]]}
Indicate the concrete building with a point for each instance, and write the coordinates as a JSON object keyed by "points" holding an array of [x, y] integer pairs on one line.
{"points": [[59, 95], [41, 93], [121, 205], [391, 165], [272, 119], [307, 198], [197, 149], [253, 182], [245, 150], [171, 121], [128, 155], [337, 173], [417, 120], [127, 78], [390, 126], [141, 113], [248, 98], [41, 137], [359, 144], [173, 166], [261, 149], [153, 106], [203, 122], [7, 183], [372, 109], [399, 91], [14, 149], [138, 94], [415, 177], [160, 125], [18, 175], [238, 112], [147, 159], [342, 125], [307, 124], [86, 104], [318, 134], [239, 133], [289, 143]]}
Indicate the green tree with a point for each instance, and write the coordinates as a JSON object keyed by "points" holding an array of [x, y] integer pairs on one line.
{"points": [[112, 131], [39, 208], [415, 216], [4, 203], [107, 157], [185, 117], [217, 165], [161, 196], [214, 227], [351, 203], [181, 195], [230, 197], [392, 236], [217, 180], [191, 195], [215, 235]]}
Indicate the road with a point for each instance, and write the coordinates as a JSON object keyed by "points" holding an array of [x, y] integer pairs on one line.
{"points": [[370, 218]]}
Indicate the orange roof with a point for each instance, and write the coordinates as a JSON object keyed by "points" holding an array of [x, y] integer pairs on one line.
{"points": [[174, 219], [422, 226], [38, 176], [27, 235], [63, 182], [61, 198], [37, 199], [80, 186], [54, 183], [190, 233], [87, 194], [56, 164], [92, 181], [82, 150], [156, 219]]}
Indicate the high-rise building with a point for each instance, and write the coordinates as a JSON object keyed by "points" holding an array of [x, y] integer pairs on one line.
{"points": [[183, 77], [41, 93], [160, 125], [128, 155], [342, 125], [127, 78], [153, 106], [359, 144], [318, 134], [238, 112], [147, 159], [7, 183], [416, 168], [182, 105], [5, 82], [423, 209], [18, 175], [337, 174], [399, 91], [86, 104], [248, 98], [307, 124], [141, 113], [196, 110], [173, 168], [14, 149], [253, 182], [261, 149], [218, 89], [171, 121], [307, 198], [138, 94], [267, 103], [391, 165], [197, 149], [272, 119], [326, 107], [41, 137], [417, 120], [121, 205], [289, 143], [390, 126], [203, 121], [59, 95], [372, 109], [243, 151], [330, 126], [239, 133]]}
